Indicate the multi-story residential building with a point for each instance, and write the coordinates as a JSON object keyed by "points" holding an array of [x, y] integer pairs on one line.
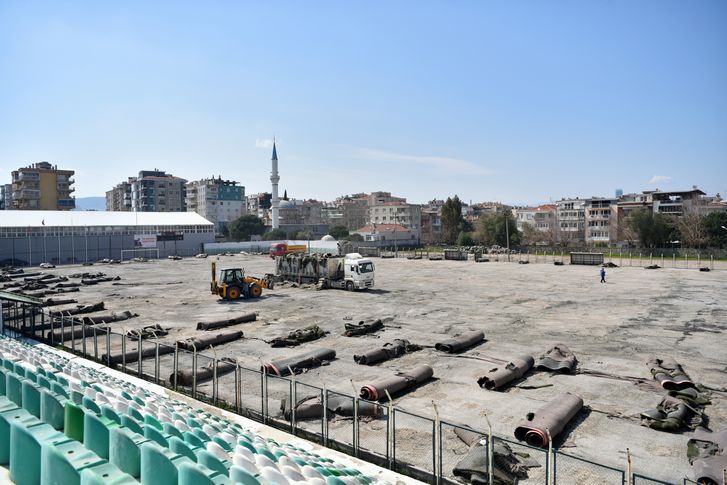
{"points": [[541, 218], [219, 201], [259, 204], [600, 223], [301, 212], [351, 212], [407, 215], [157, 191], [42, 186], [118, 199], [378, 198], [571, 220], [6, 196], [431, 229], [675, 203]]}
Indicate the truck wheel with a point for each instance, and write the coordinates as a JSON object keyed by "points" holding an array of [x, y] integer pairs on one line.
{"points": [[255, 291], [233, 293], [349, 285]]}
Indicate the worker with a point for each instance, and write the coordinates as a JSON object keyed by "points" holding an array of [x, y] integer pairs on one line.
{"points": [[603, 275]]}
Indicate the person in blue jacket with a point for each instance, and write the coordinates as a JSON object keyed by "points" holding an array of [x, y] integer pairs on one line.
{"points": [[603, 275]]}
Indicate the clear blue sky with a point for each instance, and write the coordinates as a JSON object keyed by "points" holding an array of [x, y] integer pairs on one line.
{"points": [[515, 101]]}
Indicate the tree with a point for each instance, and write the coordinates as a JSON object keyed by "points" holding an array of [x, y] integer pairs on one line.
{"points": [[714, 225], [653, 230], [465, 239], [303, 235], [243, 228], [452, 220], [339, 232], [355, 237], [692, 230], [530, 235], [275, 234], [494, 229]]}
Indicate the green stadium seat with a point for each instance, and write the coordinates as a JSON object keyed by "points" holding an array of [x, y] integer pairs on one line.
{"points": [[125, 450]]}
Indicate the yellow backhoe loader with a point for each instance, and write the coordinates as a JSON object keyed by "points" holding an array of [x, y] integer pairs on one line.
{"points": [[233, 284]]}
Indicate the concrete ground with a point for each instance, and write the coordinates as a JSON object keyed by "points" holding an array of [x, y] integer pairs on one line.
{"points": [[522, 309]]}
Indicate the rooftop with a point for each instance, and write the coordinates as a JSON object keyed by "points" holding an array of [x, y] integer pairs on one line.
{"points": [[21, 218]]}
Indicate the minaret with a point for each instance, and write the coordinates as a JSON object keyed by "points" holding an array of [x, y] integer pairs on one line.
{"points": [[274, 179]]}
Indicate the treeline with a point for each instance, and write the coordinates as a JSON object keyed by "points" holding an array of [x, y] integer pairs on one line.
{"points": [[249, 225]]}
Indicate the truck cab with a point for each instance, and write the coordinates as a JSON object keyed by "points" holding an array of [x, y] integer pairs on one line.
{"points": [[281, 249], [358, 272]]}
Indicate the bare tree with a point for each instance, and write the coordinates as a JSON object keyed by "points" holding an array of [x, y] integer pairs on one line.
{"points": [[691, 229]]}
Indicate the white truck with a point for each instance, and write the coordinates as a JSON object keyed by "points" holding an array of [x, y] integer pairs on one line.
{"points": [[350, 272]]}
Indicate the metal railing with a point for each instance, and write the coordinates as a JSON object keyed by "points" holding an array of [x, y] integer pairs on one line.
{"points": [[419, 446]]}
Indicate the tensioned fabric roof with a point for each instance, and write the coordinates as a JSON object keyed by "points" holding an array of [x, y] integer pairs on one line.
{"points": [[33, 218]]}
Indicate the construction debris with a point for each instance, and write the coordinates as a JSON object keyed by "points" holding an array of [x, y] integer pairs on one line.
{"points": [[150, 331], [362, 327], [207, 341], [300, 362], [311, 407], [248, 317], [707, 453], [109, 318], [80, 309], [558, 358], [188, 378], [390, 350], [669, 374], [458, 343], [297, 337], [498, 377], [473, 468], [551, 418], [101, 279], [400, 382]]}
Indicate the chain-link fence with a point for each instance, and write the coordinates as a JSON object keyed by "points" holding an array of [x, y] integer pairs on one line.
{"points": [[416, 445]]}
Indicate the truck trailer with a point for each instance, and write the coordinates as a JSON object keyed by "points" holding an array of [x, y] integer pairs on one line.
{"points": [[350, 272]]}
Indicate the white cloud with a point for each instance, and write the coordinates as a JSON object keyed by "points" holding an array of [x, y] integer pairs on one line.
{"points": [[263, 143], [659, 179], [452, 165]]}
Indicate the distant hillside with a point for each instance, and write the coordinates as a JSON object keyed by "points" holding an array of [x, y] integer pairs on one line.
{"points": [[91, 203]]}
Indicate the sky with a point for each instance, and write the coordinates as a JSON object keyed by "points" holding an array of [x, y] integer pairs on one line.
{"points": [[521, 102]]}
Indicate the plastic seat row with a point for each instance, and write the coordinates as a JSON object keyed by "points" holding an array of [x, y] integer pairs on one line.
{"points": [[142, 436]]}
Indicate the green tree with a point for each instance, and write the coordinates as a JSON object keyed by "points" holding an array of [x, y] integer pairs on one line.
{"points": [[246, 226], [355, 237], [653, 230], [494, 229], [303, 235], [465, 239], [339, 232], [275, 235], [452, 220], [714, 225]]}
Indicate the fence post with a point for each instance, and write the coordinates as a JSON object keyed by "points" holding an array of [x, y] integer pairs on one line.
{"points": [[662, 260], [73, 339], [629, 478], [686, 261], [324, 424], [437, 440], [215, 385], [194, 370], [651, 258], [175, 367], [264, 393], [293, 401], [711, 263], [123, 352], [108, 346], [699, 260], [156, 363], [139, 345], [83, 341], [238, 389], [550, 468], [674, 260], [62, 330], [490, 452]]}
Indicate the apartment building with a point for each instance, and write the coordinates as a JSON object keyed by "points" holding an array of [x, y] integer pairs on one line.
{"points": [[600, 225], [219, 201], [571, 220], [42, 186], [118, 199], [259, 204], [6, 196], [399, 212], [301, 212], [431, 230]]}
